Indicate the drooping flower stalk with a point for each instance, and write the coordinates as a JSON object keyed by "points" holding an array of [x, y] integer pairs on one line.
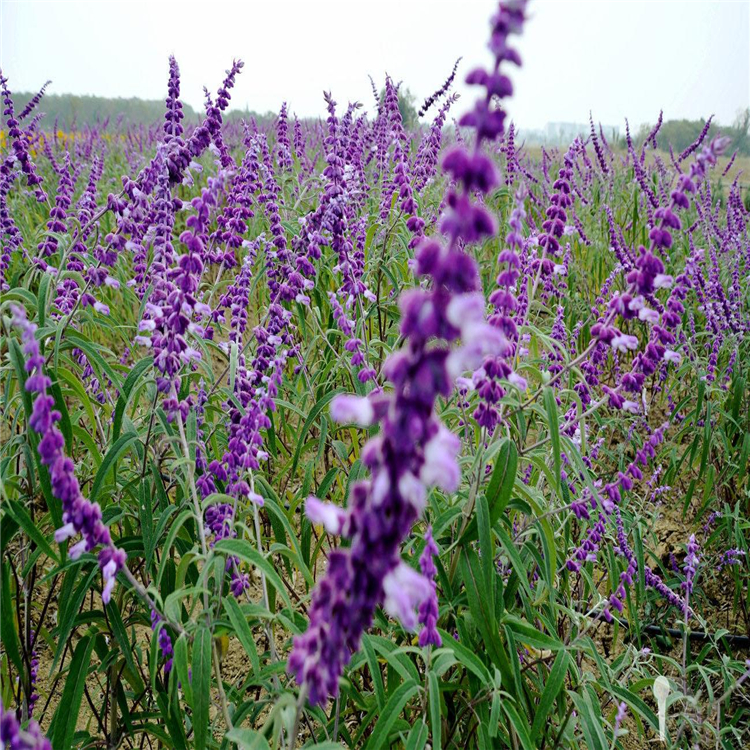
{"points": [[80, 515], [424, 168], [20, 143], [33, 102], [214, 113], [442, 91]]}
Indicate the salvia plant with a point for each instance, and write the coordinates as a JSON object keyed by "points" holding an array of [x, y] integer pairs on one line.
{"points": [[350, 434]]}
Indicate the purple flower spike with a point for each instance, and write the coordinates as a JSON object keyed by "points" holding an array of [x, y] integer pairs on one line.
{"points": [[164, 640], [13, 737], [691, 568], [80, 515], [428, 609], [413, 451], [430, 100], [20, 142]]}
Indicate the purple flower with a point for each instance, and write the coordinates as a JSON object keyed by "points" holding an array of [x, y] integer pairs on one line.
{"points": [[428, 609], [58, 213], [33, 672], [622, 712], [334, 219], [18, 139], [283, 149], [173, 308], [33, 102], [213, 120], [495, 369], [13, 737], [164, 640], [430, 100], [730, 557], [690, 569], [356, 409], [425, 163], [80, 515], [413, 450], [13, 240]]}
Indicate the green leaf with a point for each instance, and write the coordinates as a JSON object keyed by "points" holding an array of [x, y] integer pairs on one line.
{"points": [[245, 551], [201, 685], [515, 559], [121, 636], [127, 388], [550, 406], [484, 617], [519, 725], [375, 675], [395, 657], [314, 412], [146, 518], [744, 456], [503, 477], [638, 704], [73, 383], [113, 454], [591, 720], [551, 689], [417, 737], [465, 656], [173, 531], [530, 635], [64, 722], [77, 339], [249, 739], [172, 718], [22, 518], [242, 631], [390, 713], [487, 550], [493, 728], [500, 488], [70, 606], [44, 283], [8, 631], [435, 714], [181, 665], [275, 510]]}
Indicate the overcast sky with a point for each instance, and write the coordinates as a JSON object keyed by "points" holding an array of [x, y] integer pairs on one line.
{"points": [[619, 58]]}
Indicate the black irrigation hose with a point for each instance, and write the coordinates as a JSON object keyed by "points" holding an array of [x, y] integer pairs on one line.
{"points": [[733, 639]]}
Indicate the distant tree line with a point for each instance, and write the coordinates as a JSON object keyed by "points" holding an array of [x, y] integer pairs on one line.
{"points": [[681, 133], [71, 111]]}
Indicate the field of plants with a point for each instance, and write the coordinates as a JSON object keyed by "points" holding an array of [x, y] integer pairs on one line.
{"points": [[343, 434]]}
